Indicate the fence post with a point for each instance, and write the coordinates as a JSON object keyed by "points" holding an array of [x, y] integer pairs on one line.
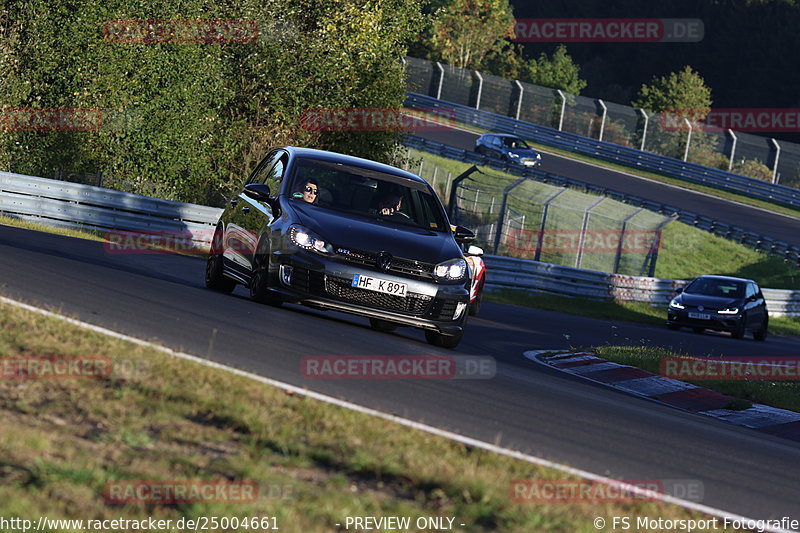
{"points": [[644, 131], [435, 171], [603, 121], [519, 101], [480, 89], [545, 207], [453, 200], [775, 165], [582, 241], [618, 257], [501, 216], [688, 139], [563, 107], [441, 81], [733, 150]]}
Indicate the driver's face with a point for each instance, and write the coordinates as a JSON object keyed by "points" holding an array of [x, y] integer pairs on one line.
{"points": [[310, 192]]}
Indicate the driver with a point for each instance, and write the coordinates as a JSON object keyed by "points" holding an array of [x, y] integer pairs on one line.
{"points": [[390, 204]]}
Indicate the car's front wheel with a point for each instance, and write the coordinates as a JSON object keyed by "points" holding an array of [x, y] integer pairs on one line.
{"points": [[259, 288], [444, 341], [215, 279], [761, 333], [738, 333]]}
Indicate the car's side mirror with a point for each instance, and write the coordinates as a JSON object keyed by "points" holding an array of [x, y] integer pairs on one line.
{"points": [[474, 250], [257, 191], [463, 235], [679, 290]]}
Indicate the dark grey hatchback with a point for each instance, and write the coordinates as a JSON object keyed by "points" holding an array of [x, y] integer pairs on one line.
{"points": [[341, 233], [720, 303]]}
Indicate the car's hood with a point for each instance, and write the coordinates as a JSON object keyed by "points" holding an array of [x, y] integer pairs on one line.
{"points": [[711, 302], [373, 235]]}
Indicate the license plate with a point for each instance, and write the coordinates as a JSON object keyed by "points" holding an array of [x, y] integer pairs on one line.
{"points": [[700, 316], [379, 285]]}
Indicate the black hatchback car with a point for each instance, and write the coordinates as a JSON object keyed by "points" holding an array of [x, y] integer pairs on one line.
{"points": [[508, 147], [720, 303], [341, 233]]}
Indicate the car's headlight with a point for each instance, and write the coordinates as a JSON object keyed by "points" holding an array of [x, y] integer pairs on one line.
{"points": [[513, 155], [308, 240], [675, 304], [451, 270], [538, 156], [729, 311]]}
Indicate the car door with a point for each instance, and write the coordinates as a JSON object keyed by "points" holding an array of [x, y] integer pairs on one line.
{"points": [[496, 145], [759, 306], [752, 305], [248, 217]]}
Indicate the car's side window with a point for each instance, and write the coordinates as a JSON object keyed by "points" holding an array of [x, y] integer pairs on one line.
{"points": [[270, 172], [751, 290], [495, 141]]}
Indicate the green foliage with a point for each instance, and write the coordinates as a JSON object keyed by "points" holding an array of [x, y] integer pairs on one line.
{"points": [[683, 93], [187, 120], [464, 32], [753, 168], [558, 72]]}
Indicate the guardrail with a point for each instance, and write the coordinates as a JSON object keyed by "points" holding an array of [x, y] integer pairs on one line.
{"points": [[65, 204], [73, 205], [691, 172], [735, 233], [511, 273]]}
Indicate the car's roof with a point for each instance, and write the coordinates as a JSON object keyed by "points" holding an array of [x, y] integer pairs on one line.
{"points": [[324, 155], [501, 135], [726, 278]]}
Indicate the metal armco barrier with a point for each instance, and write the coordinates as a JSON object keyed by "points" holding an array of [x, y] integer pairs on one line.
{"points": [[754, 240], [510, 273], [73, 205], [616, 153]]}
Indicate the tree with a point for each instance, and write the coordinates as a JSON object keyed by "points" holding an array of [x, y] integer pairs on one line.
{"points": [[679, 96], [558, 72], [465, 32], [683, 93]]}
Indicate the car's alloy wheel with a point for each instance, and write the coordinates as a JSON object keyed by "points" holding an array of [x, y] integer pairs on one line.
{"points": [[382, 325], [215, 279], [259, 288]]}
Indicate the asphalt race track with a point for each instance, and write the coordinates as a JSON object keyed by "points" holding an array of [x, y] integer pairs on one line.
{"points": [[753, 219], [526, 406]]}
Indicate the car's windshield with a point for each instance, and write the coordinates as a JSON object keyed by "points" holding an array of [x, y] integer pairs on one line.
{"points": [[510, 142], [716, 287], [366, 192]]}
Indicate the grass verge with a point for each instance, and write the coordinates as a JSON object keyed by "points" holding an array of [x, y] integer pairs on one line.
{"points": [[610, 310], [25, 224], [161, 418], [781, 394]]}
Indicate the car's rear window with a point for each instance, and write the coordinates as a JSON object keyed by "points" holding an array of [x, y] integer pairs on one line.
{"points": [[370, 193]]}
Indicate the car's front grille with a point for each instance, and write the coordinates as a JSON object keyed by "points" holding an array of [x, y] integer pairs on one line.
{"points": [[413, 304], [399, 265]]}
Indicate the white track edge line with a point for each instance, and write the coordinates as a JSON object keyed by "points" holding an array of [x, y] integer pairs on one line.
{"points": [[393, 418]]}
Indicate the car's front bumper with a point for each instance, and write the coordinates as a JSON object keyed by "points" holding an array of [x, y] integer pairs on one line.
{"points": [[316, 281], [717, 322]]}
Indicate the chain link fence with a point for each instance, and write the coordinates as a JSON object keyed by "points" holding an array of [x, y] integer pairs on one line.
{"points": [[743, 153], [527, 219]]}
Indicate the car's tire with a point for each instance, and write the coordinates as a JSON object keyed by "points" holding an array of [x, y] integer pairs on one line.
{"points": [[444, 341], [382, 325], [698, 330], [738, 333], [259, 282], [215, 279], [761, 333], [475, 306], [673, 327]]}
